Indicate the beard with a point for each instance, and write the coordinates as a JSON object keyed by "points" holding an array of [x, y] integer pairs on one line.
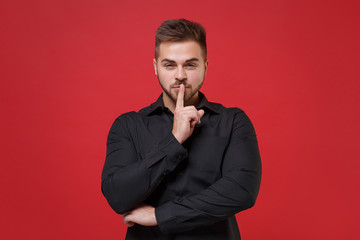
{"points": [[187, 97]]}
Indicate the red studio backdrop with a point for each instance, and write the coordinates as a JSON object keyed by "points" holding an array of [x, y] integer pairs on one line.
{"points": [[69, 68]]}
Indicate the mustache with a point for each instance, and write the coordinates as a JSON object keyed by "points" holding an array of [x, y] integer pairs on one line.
{"points": [[178, 85]]}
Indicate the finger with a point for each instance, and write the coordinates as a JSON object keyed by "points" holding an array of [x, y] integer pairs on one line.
{"points": [[129, 224], [128, 221], [190, 115], [193, 123], [125, 219], [180, 97], [200, 114]]}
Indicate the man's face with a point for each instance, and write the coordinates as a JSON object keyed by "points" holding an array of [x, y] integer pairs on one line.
{"points": [[180, 62]]}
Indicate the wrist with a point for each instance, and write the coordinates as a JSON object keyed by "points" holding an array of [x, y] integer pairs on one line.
{"points": [[177, 138]]}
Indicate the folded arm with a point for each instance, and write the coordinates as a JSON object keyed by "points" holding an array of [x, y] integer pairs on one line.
{"points": [[127, 180], [235, 191]]}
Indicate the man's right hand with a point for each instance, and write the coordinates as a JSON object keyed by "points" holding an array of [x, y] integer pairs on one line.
{"points": [[185, 118]]}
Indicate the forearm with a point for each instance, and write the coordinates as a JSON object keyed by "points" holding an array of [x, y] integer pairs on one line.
{"points": [[128, 187], [224, 198], [127, 178], [235, 191], [143, 215]]}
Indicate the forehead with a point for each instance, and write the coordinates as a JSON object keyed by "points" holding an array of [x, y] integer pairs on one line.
{"points": [[180, 51]]}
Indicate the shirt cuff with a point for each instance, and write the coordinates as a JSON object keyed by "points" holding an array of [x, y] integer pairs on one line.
{"points": [[166, 220], [171, 150]]}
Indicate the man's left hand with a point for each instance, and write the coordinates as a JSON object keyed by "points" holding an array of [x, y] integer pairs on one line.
{"points": [[143, 215]]}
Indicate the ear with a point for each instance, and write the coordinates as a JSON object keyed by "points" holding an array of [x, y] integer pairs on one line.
{"points": [[155, 67], [206, 65]]}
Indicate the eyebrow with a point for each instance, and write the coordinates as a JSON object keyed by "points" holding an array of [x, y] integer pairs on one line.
{"points": [[192, 60], [172, 61]]}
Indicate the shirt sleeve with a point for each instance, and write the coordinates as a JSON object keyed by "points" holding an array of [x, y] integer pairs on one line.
{"points": [[127, 179], [235, 191]]}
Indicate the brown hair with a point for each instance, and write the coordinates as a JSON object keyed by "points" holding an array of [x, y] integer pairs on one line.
{"points": [[179, 30]]}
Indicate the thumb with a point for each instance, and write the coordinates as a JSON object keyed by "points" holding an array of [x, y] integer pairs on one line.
{"points": [[128, 220], [200, 114]]}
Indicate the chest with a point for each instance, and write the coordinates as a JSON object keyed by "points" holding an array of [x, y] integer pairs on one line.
{"points": [[206, 146]]}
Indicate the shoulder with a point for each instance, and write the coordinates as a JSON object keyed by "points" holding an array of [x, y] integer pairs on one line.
{"points": [[228, 111], [234, 115], [132, 118], [239, 115], [134, 115], [241, 123], [125, 124], [125, 117], [122, 122]]}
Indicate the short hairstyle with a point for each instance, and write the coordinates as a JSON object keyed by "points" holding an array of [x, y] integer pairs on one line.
{"points": [[179, 30]]}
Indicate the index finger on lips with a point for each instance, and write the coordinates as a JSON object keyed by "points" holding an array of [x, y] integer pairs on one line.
{"points": [[180, 97]]}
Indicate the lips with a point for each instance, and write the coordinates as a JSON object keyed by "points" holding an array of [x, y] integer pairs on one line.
{"points": [[176, 89], [178, 86]]}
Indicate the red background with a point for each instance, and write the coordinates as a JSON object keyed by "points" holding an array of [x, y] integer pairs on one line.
{"points": [[69, 68]]}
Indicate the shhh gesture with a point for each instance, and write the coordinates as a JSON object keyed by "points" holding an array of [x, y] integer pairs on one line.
{"points": [[185, 118]]}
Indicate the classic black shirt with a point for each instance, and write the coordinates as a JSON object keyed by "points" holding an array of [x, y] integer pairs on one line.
{"points": [[196, 187]]}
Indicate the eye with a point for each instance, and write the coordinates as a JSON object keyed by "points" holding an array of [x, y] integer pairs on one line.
{"points": [[190, 65], [169, 65]]}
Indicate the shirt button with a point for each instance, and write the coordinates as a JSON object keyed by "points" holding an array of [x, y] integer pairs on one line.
{"points": [[166, 172]]}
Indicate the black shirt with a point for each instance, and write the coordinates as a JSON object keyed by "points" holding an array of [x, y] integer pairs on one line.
{"points": [[196, 187]]}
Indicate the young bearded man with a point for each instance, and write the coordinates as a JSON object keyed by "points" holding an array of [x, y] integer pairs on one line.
{"points": [[182, 167]]}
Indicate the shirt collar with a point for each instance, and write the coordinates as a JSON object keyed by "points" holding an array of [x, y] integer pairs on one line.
{"points": [[204, 103]]}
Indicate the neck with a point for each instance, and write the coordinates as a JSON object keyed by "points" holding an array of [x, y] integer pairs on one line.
{"points": [[171, 104]]}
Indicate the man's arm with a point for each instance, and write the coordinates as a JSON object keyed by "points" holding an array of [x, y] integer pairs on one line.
{"points": [[143, 215], [235, 191], [127, 180]]}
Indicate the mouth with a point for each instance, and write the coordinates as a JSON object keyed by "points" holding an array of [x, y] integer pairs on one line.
{"points": [[176, 89], [178, 86]]}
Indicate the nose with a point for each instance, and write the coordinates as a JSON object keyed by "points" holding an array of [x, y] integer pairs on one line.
{"points": [[180, 74]]}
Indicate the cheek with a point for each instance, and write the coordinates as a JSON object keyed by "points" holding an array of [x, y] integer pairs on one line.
{"points": [[165, 78], [196, 76], [165, 74]]}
